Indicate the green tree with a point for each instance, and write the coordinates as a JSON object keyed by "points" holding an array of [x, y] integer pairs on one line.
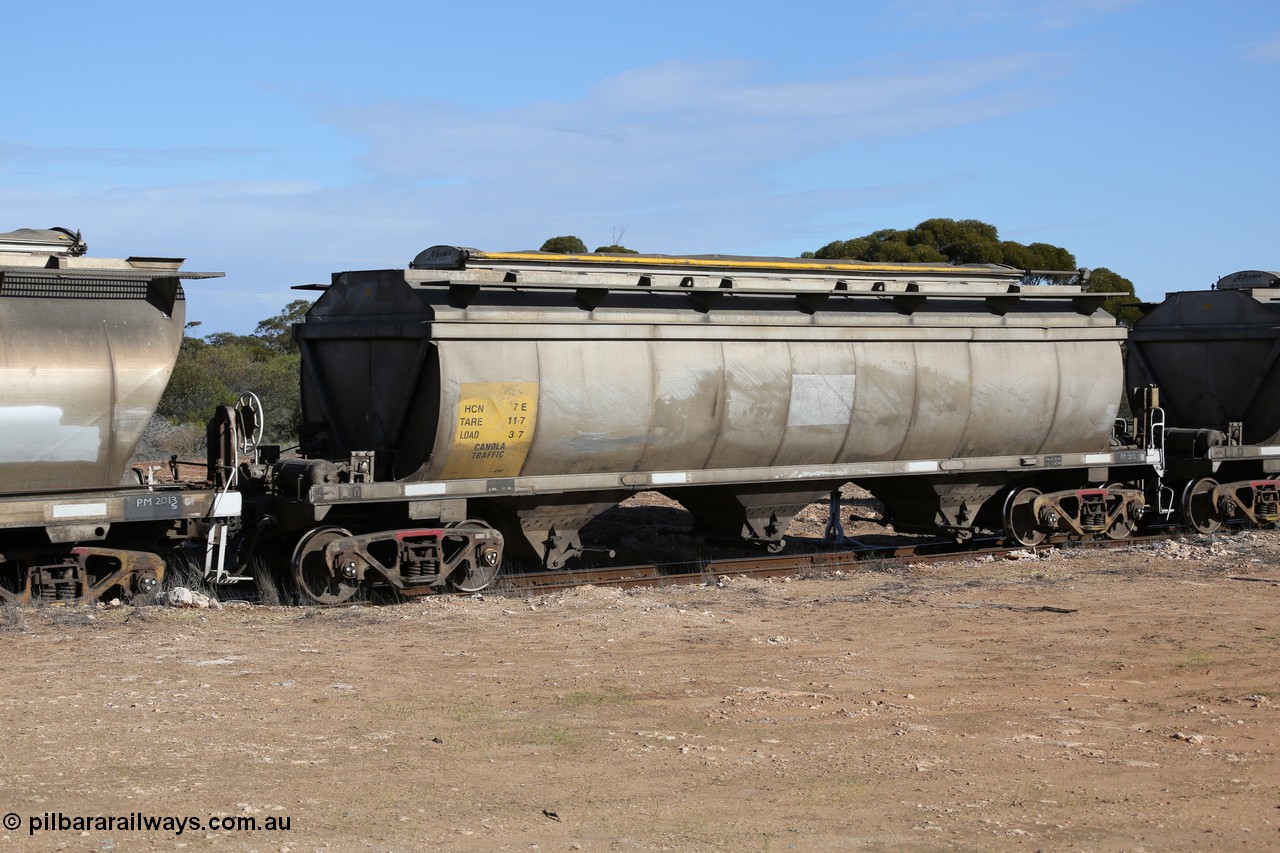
{"points": [[192, 392], [963, 241], [884, 246], [1123, 307], [277, 332], [213, 371], [615, 249], [1038, 258], [567, 245], [966, 241]]}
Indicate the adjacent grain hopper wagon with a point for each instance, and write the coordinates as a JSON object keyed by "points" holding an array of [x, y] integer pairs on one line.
{"points": [[1214, 356], [86, 349]]}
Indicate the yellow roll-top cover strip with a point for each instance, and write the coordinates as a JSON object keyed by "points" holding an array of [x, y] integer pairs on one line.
{"points": [[458, 258]]}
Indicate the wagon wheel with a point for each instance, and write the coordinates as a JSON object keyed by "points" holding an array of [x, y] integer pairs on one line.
{"points": [[479, 570], [1123, 525], [312, 574], [1198, 509], [1020, 523]]}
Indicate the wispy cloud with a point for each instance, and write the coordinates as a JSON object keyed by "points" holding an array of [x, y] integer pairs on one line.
{"points": [[1265, 52], [681, 129]]}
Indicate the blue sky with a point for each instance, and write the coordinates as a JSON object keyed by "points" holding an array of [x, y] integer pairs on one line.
{"points": [[280, 142]]}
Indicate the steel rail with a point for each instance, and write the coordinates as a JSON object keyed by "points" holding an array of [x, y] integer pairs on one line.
{"points": [[868, 557]]}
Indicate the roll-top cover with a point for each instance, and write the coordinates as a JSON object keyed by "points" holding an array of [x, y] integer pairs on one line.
{"points": [[59, 240]]}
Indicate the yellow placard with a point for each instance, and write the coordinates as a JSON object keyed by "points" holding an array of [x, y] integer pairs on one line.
{"points": [[492, 429]]}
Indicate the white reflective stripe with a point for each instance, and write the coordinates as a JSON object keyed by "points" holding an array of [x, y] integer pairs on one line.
{"points": [[1269, 451], [922, 466], [1097, 458], [226, 505], [80, 510], [668, 479], [416, 489]]}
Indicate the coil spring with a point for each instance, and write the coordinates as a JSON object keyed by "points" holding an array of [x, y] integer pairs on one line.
{"points": [[419, 561], [1093, 520], [61, 590]]}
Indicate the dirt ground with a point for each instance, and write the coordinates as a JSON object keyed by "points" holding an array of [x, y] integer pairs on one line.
{"points": [[889, 707]]}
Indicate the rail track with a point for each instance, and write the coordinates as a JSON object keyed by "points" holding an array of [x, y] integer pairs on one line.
{"points": [[814, 559], [782, 565]]}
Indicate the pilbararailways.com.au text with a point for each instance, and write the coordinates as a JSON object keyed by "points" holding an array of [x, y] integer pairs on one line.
{"points": [[141, 822]]}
